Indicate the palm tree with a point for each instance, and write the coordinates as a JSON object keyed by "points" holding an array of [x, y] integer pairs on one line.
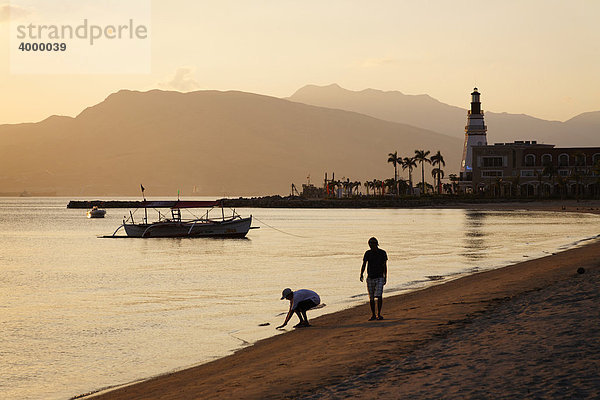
{"points": [[374, 184], [421, 156], [410, 163], [367, 186], [347, 185], [402, 185], [425, 188], [439, 174], [390, 184], [454, 179], [395, 160], [438, 159], [356, 185], [379, 186]]}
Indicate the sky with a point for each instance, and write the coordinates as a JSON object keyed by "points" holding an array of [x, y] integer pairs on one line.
{"points": [[535, 57]]}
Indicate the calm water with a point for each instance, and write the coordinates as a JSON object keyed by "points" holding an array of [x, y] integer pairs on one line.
{"points": [[79, 313]]}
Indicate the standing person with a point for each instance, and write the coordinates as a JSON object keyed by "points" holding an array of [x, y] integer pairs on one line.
{"points": [[375, 259], [300, 302]]}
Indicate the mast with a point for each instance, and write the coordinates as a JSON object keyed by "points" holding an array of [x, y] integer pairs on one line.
{"points": [[145, 209]]}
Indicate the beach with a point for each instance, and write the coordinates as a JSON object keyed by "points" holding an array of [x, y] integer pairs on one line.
{"points": [[525, 330]]}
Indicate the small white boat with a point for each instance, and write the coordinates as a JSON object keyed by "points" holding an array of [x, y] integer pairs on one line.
{"points": [[96, 212], [173, 225]]}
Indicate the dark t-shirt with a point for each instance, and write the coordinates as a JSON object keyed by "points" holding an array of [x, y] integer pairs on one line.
{"points": [[375, 262]]}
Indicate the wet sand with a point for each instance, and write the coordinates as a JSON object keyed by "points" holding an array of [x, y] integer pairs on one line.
{"points": [[526, 330]]}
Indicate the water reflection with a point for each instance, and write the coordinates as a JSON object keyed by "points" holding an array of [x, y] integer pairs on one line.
{"points": [[475, 246]]}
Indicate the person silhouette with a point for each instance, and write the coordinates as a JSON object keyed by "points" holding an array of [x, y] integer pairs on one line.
{"points": [[375, 260]]}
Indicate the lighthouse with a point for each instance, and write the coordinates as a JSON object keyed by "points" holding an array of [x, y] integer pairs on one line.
{"points": [[475, 135]]}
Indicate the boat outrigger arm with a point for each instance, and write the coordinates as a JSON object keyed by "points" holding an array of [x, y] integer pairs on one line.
{"points": [[174, 226]]}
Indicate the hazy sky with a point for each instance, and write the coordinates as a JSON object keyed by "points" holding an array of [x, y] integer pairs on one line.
{"points": [[538, 57]]}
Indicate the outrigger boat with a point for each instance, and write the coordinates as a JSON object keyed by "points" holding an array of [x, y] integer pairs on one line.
{"points": [[173, 225]]}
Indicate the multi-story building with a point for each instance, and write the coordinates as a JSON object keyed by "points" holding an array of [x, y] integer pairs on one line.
{"points": [[528, 168], [523, 167]]}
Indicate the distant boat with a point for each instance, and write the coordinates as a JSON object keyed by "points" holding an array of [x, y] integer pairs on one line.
{"points": [[95, 212], [173, 225]]}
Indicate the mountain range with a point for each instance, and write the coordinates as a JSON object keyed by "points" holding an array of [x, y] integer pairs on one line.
{"points": [[426, 112], [220, 143], [215, 143]]}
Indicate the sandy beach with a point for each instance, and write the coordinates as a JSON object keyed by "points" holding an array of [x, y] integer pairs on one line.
{"points": [[524, 331]]}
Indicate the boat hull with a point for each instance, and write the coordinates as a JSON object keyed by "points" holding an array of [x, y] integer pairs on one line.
{"points": [[236, 228], [96, 213]]}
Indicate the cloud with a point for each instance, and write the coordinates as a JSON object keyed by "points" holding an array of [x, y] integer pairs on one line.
{"points": [[11, 12], [378, 62], [181, 81]]}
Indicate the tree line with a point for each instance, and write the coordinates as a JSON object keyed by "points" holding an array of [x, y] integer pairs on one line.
{"points": [[399, 186], [549, 182]]}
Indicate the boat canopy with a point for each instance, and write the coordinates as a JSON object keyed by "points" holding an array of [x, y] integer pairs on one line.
{"points": [[180, 204]]}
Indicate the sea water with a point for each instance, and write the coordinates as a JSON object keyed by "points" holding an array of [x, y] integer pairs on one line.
{"points": [[79, 313]]}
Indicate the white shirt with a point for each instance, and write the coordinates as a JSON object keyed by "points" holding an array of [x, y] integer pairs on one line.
{"points": [[305, 294]]}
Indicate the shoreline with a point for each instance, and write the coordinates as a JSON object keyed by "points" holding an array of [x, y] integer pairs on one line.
{"points": [[341, 344]]}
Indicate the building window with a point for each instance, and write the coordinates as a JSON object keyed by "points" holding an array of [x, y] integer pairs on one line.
{"points": [[546, 159], [563, 160], [491, 174], [492, 161], [529, 160], [580, 160], [527, 172], [596, 158], [563, 172]]}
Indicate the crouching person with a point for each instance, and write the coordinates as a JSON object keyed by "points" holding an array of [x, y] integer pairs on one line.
{"points": [[300, 302]]}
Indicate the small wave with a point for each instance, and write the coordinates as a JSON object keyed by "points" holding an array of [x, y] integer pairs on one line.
{"points": [[435, 277]]}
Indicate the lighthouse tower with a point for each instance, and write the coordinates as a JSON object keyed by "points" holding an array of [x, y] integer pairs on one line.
{"points": [[475, 135]]}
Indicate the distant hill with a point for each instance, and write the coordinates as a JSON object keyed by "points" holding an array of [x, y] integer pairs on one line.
{"points": [[426, 112], [588, 123], [222, 143]]}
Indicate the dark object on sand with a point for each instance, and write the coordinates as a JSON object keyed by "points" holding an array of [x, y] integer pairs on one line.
{"points": [[264, 324], [581, 270]]}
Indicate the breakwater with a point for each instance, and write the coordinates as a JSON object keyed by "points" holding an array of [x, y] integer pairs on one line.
{"points": [[84, 204], [300, 202]]}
